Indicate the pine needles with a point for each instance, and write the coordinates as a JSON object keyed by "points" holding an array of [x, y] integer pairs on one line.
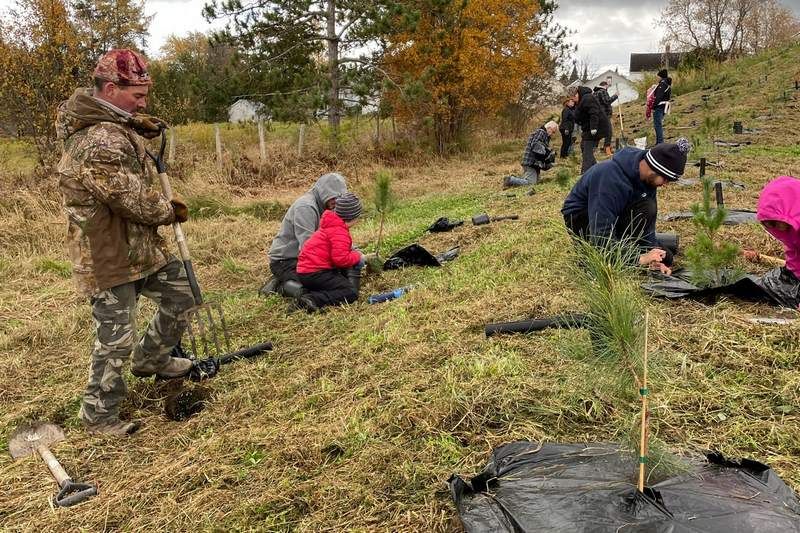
{"points": [[710, 261]]}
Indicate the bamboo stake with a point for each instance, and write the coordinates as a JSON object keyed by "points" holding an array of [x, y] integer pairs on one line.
{"points": [[643, 392]]}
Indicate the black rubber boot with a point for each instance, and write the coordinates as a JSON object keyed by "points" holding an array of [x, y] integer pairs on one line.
{"points": [[354, 275]]}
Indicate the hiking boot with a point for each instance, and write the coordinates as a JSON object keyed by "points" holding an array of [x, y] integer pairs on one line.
{"points": [[114, 427], [270, 287], [507, 182], [176, 367], [307, 303]]}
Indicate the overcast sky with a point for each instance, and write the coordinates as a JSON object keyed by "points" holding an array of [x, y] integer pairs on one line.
{"points": [[606, 31]]}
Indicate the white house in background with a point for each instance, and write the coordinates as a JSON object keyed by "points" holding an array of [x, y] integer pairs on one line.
{"points": [[617, 84], [247, 111]]}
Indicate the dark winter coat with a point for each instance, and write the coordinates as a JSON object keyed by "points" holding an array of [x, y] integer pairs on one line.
{"points": [[663, 92], [605, 101], [606, 189], [590, 116], [330, 247], [567, 125]]}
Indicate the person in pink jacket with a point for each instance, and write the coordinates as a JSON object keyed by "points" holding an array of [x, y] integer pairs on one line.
{"points": [[779, 212], [326, 256]]}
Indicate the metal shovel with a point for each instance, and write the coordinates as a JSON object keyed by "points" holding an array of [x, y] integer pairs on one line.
{"points": [[36, 439]]}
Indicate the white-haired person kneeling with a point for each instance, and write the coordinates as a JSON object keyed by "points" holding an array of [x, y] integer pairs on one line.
{"points": [[537, 157]]}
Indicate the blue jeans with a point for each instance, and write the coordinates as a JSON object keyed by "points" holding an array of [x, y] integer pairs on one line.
{"points": [[658, 123]]}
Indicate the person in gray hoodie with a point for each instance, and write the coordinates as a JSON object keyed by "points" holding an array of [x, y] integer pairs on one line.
{"points": [[299, 223]]}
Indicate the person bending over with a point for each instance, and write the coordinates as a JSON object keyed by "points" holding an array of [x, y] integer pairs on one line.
{"points": [[616, 199]]}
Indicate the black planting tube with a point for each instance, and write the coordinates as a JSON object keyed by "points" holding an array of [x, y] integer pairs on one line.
{"points": [[702, 166], [527, 326], [718, 193], [737, 127]]}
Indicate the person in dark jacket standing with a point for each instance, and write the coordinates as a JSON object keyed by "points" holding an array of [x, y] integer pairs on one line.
{"points": [[616, 199], [605, 101], [663, 93], [593, 123], [567, 127]]}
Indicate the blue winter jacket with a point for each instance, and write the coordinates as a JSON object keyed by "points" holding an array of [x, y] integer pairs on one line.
{"points": [[606, 189]]}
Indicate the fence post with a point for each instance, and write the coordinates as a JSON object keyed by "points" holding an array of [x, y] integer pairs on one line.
{"points": [[218, 142], [171, 156], [262, 147], [301, 140], [702, 166]]}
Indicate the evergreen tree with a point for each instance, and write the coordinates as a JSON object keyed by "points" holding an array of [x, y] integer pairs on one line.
{"points": [[284, 40]]}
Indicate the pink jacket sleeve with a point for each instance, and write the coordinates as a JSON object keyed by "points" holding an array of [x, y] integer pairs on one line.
{"points": [[342, 254]]}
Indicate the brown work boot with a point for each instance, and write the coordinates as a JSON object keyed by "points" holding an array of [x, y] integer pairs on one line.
{"points": [[176, 367], [114, 427], [609, 151]]}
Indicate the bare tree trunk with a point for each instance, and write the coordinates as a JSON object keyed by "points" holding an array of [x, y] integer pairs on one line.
{"points": [[333, 72]]}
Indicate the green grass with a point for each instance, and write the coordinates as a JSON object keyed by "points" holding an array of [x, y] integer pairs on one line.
{"points": [[56, 266]]}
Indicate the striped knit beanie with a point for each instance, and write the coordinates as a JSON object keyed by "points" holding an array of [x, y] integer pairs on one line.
{"points": [[668, 159], [348, 207]]}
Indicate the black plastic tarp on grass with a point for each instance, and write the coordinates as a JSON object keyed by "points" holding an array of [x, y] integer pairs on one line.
{"points": [[529, 487], [778, 287], [417, 255]]}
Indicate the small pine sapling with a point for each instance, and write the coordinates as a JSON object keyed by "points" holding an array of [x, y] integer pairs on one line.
{"points": [[384, 203], [709, 260], [564, 178]]}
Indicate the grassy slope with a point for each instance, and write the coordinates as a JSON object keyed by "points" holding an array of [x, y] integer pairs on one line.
{"points": [[360, 415]]}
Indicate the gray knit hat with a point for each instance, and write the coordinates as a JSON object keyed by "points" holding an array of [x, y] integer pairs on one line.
{"points": [[348, 207]]}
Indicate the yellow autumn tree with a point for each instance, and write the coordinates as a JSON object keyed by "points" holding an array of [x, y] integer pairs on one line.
{"points": [[463, 59], [47, 49], [40, 57]]}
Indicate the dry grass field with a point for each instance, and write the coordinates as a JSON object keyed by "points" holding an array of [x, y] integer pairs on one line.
{"points": [[360, 414]]}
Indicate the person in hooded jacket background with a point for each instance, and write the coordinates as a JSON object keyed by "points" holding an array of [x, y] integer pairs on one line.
{"points": [[567, 127], [593, 122], [778, 212], [616, 200], [299, 223], [605, 101], [662, 95]]}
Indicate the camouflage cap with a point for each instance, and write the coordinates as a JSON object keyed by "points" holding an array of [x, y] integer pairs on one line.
{"points": [[123, 67]]}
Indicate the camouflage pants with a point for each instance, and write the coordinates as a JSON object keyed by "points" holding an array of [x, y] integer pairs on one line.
{"points": [[114, 314]]}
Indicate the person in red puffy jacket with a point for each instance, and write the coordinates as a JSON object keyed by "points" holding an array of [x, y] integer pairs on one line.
{"points": [[326, 256]]}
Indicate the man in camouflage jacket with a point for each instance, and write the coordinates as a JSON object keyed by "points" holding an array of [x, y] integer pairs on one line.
{"points": [[113, 214]]}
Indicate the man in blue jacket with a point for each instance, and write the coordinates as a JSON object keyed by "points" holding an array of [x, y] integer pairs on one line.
{"points": [[616, 199]]}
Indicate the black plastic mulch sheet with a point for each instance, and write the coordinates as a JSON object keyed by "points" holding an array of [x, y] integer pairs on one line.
{"points": [[777, 287], [416, 255], [732, 218], [529, 487]]}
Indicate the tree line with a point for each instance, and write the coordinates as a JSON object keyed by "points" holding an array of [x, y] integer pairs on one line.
{"points": [[436, 66]]}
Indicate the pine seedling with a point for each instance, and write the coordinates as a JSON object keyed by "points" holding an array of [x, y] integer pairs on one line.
{"points": [[564, 178], [384, 202], [710, 261]]}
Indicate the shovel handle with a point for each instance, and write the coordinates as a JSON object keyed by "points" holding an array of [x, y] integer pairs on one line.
{"points": [[53, 465], [180, 238]]}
